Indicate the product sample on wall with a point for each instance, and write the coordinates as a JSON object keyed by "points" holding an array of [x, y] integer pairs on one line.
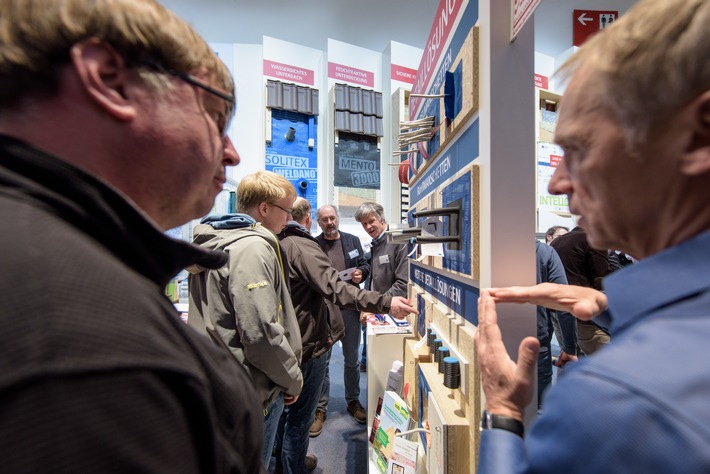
{"points": [[291, 136], [444, 183], [357, 128]]}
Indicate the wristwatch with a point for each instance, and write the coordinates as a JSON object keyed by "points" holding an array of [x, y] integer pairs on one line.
{"points": [[501, 422]]}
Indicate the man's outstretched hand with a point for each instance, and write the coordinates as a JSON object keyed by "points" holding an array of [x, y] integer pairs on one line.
{"points": [[582, 302], [400, 308]]}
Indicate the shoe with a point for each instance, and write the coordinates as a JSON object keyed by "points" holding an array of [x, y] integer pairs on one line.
{"points": [[363, 367], [311, 462], [317, 426], [357, 411]]}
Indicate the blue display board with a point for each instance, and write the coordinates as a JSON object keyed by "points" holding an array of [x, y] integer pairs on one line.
{"points": [[455, 293], [289, 155], [458, 194]]}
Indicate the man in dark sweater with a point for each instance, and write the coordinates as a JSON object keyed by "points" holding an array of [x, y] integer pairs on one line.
{"points": [[345, 251], [584, 266]]}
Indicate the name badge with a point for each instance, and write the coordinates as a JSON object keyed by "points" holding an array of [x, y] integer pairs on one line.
{"points": [[354, 253], [384, 259]]}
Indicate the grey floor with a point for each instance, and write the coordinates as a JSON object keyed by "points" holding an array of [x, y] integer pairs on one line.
{"points": [[342, 446]]}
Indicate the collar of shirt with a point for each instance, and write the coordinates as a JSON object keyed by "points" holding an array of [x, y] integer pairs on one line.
{"points": [[659, 280]]}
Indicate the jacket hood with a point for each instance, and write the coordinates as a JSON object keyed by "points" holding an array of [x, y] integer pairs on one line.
{"points": [[228, 221], [216, 232]]}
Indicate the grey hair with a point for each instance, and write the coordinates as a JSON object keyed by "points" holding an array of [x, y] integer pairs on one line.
{"points": [[301, 209], [367, 208]]}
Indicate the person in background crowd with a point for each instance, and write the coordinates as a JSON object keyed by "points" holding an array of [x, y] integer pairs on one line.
{"points": [[313, 282], [554, 232], [345, 252], [551, 234], [550, 269], [389, 269], [584, 266], [113, 129], [637, 171], [246, 303]]}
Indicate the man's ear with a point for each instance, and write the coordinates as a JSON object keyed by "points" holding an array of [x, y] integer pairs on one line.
{"points": [[104, 75], [263, 209], [696, 159]]}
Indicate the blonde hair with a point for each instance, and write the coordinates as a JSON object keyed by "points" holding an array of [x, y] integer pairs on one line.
{"points": [[262, 186], [36, 36], [648, 64]]}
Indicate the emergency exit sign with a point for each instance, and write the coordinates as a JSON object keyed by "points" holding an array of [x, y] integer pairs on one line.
{"points": [[587, 22]]}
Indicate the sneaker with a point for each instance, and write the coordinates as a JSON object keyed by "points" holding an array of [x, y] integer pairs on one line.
{"points": [[311, 462], [363, 367], [357, 411], [317, 426]]}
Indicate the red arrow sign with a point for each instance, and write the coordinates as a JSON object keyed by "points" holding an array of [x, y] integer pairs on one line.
{"points": [[587, 22]]}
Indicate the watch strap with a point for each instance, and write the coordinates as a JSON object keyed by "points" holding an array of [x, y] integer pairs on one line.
{"points": [[502, 422]]}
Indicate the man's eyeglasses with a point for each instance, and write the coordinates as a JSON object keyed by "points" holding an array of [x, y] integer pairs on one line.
{"points": [[287, 211], [192, 80]]}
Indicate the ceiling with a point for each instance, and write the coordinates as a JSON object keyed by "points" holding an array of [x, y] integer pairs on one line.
{"points": [[370, 24]]}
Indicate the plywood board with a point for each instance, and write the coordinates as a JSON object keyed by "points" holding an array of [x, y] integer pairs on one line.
{"points": [[467, 57]]}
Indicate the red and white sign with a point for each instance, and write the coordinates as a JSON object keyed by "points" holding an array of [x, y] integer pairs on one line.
{"points": [[521, 11], [403, 74], [541, 82], [288, 73], [587, 22], [439, 36], [555, 160], [350, 74]]}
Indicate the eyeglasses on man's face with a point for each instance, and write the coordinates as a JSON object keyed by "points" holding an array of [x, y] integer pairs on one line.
{"points": [[221, 122], [287, 211]]}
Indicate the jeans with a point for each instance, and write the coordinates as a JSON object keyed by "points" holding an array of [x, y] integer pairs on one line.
{"points": [[544, 373], [292, 435], [271, 424], [363, 359], [351, 371]]}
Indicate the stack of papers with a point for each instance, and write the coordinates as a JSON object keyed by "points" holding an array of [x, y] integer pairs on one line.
{"points": [[386, 324]]}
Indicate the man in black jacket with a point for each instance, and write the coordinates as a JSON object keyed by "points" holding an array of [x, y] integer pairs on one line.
{"points": [[345, 251], [313, 282], [113, 129]]}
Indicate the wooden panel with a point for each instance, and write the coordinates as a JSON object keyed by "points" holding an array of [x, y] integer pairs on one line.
{"points": [[412, 358], [458, 438], [468, 58]]}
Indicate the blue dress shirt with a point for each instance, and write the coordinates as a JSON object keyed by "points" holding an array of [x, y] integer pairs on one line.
{"points": [[642, 404]]}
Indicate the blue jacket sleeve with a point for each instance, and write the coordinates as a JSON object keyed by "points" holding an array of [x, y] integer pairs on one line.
{"points": [[502, 452]]}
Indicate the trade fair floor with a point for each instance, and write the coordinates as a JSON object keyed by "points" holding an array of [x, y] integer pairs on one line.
{"points": [[342, 446]]}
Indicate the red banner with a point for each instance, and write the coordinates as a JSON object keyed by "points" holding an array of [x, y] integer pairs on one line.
{"points": [[541, 82], [403, 74], [350, 74], [441, 29], [288, 73]]}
